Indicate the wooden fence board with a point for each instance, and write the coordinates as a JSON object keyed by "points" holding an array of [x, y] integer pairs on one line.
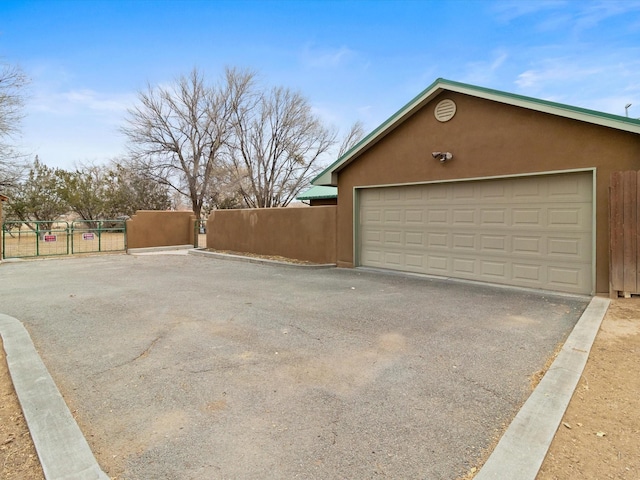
{"points": [[616, 252], [629, 228], [624, 246], [637, 232]]}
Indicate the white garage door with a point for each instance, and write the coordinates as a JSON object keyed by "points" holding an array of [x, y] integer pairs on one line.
{"points": [[525, 231]]}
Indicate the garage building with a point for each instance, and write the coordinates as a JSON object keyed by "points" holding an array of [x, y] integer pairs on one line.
{"points": [[472, 183]]}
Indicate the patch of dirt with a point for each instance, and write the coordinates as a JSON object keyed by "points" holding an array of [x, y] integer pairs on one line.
{"points": [[600, 432], [277, 258], [18, 458]]}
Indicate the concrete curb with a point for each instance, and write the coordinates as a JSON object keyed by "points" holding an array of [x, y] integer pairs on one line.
{"points": [[62, 449], [524, 445], [138, 251], [263, 261]]}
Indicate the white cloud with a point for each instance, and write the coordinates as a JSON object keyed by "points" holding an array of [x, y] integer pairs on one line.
{"points": [[326, 58], [485, 72], [605, 84], [594, 13], [75, 101], [510, 10], [554, 71], [556, 15]]}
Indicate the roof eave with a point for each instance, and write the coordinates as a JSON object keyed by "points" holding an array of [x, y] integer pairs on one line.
{"points": [[553, 108], [329, 176]]}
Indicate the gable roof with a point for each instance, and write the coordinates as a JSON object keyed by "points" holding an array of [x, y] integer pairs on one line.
{"points": [[318, 192], [329, 175]]}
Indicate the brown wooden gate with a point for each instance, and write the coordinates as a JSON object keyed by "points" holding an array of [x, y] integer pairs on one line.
{"points": [[624, 246]]}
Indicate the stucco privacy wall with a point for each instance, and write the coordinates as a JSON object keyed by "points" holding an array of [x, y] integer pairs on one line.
{"points": [[301, 233], [150, 228], [488, 139]]}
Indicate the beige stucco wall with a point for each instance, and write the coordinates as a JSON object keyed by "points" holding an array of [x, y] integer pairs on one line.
{"points": [[301, 233], [150, 228], [488, 139]]}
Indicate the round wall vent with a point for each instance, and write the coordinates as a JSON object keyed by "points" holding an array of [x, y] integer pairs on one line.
{"points": [[445, 110]]}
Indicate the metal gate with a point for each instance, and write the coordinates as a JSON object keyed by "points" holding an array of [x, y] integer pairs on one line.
{"points": [[200, 234], [49, 238]]}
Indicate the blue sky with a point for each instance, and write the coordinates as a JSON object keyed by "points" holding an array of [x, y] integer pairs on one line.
{"points": [[354, 60]]}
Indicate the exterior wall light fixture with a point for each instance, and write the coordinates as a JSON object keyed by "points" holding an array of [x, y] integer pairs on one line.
{"points": [[442, 156]]}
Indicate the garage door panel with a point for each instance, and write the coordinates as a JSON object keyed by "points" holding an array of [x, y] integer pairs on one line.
{"points": [[495, 270], [438, 194], [497, 192], [437, 240], [527, 245], [414, 193], [464, 194], [391, 194], [568, 188], [394, 215], [531, 273], [464, 241], [570, 216], [414, 260], [463, 216], [564, 276], [437, 216], [494, 244], [463, 266], [372, 236], [372, 258], [438, 264], [393, 238], [414, 239], [527, 231], [493, 217], [372, 215], [529, 190], [393, 258], [414, 216], [531, 217]]}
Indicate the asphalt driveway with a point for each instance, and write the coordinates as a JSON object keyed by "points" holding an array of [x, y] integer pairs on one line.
{"points": [[184, 367]]}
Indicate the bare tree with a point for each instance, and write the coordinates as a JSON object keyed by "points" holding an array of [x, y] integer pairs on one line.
{"points": [[178, 134], [12, 83], [276, 146], [351, 139]]}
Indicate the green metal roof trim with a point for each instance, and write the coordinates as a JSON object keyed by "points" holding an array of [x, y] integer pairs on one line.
{"points": [[319, 193], [328, 175]]}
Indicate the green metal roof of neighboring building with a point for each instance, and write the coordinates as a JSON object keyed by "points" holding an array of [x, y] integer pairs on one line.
{"points": [[329, 175], [318, 193]]}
